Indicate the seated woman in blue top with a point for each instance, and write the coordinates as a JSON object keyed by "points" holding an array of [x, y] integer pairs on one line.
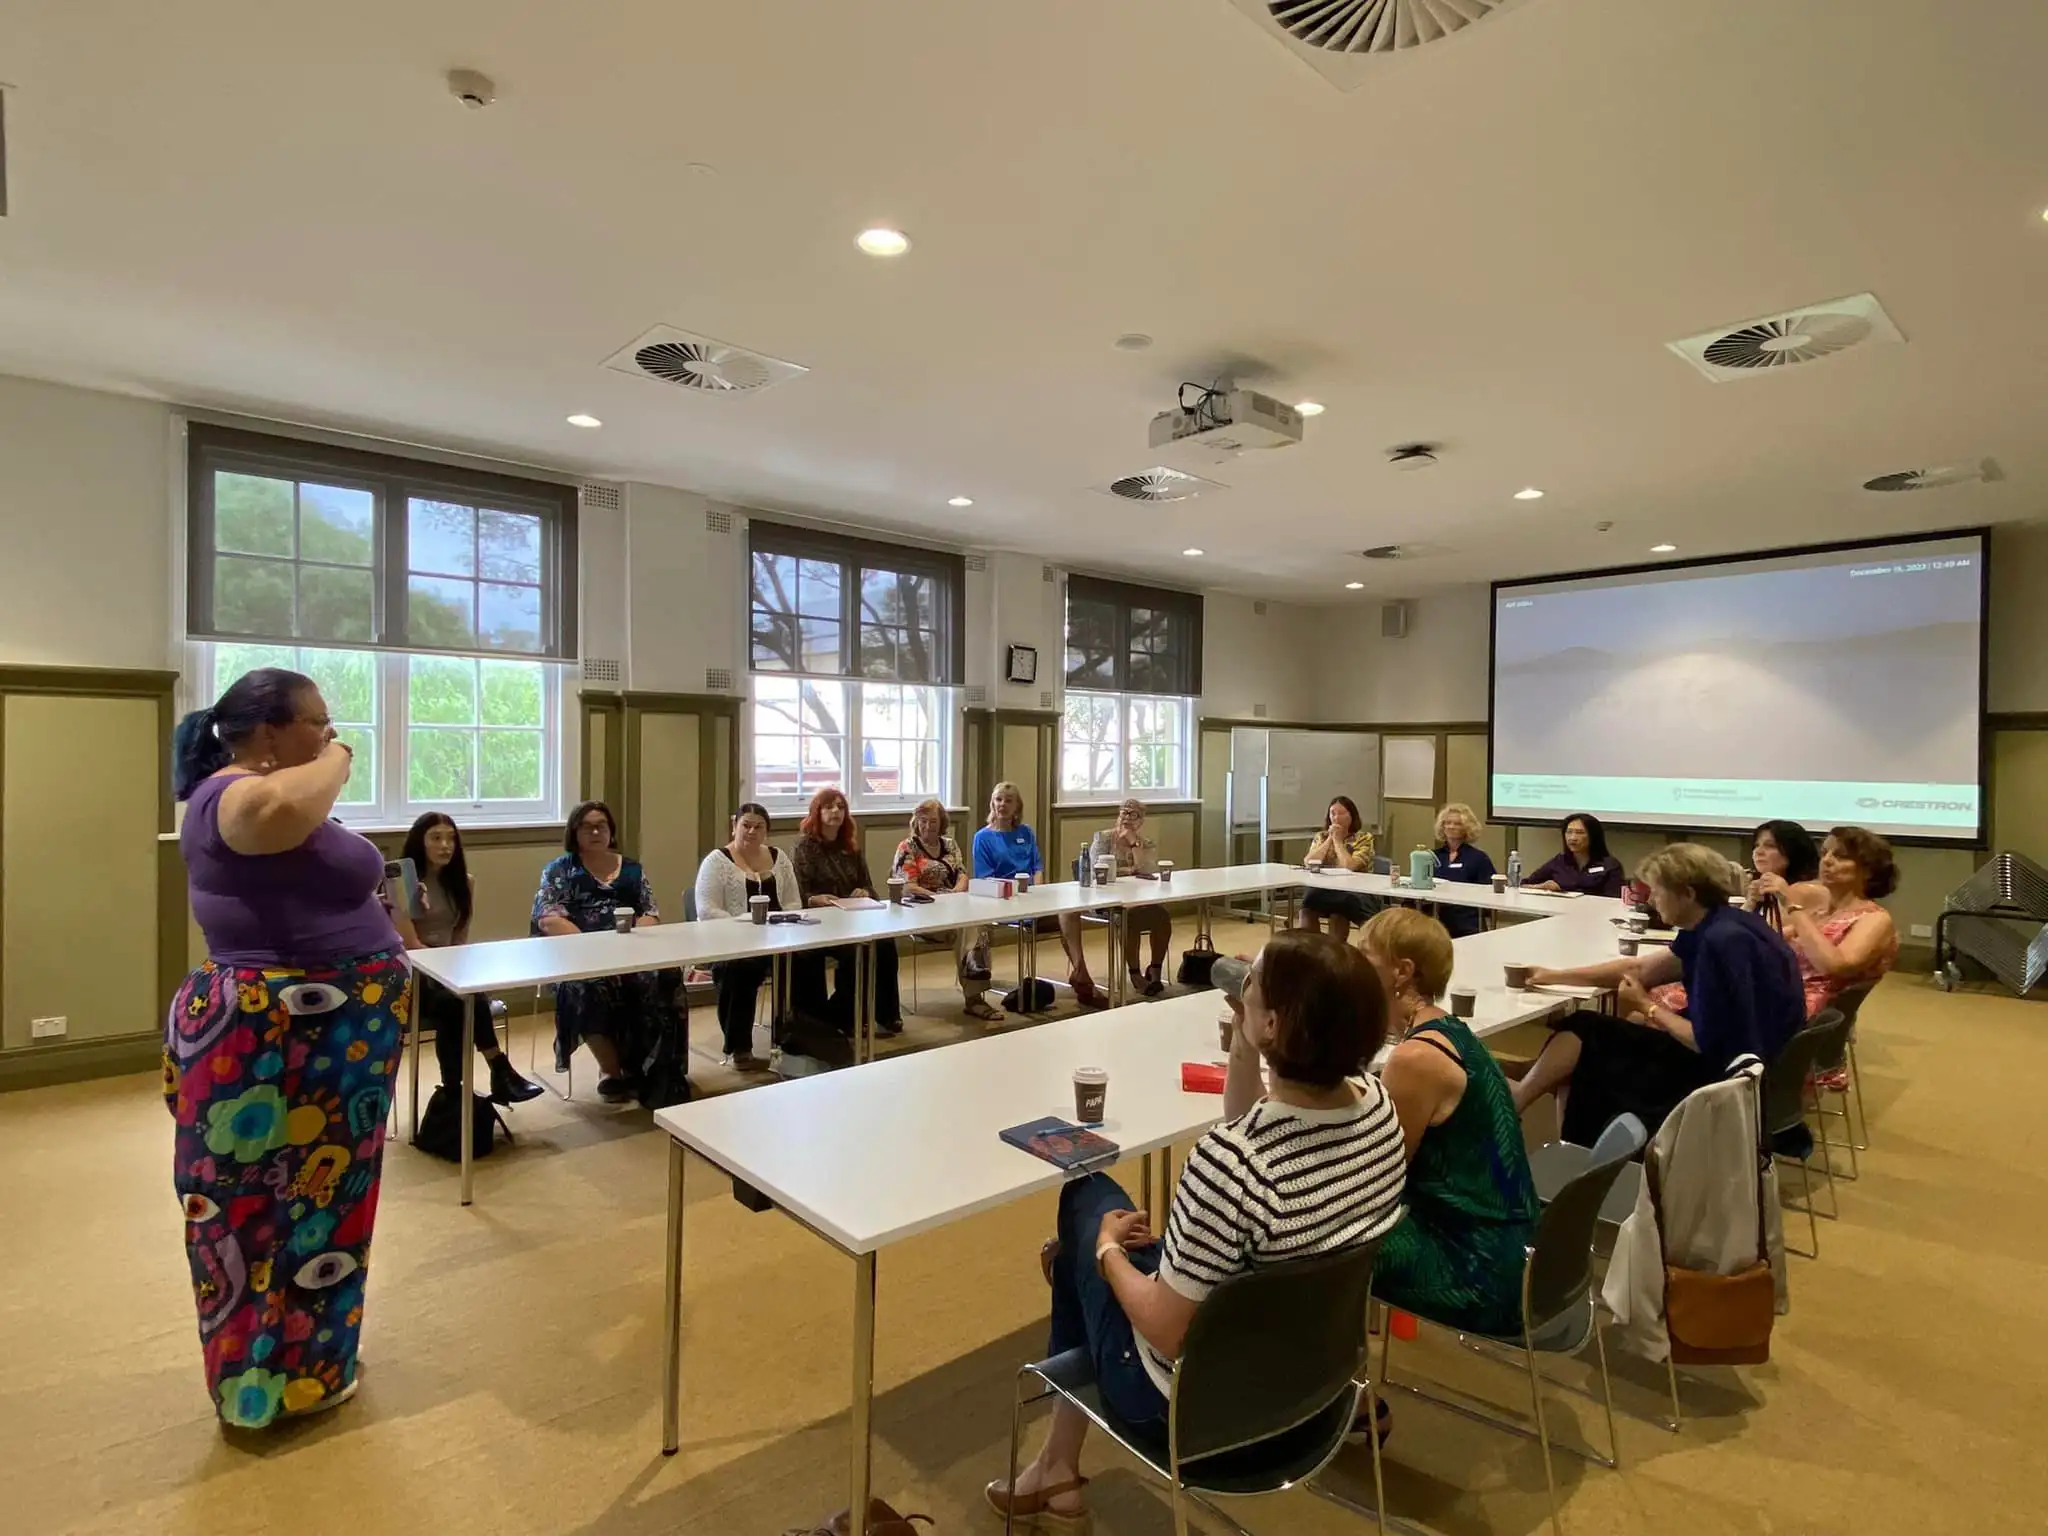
{"points": [[1459, 858], [1585, 867], [1743, 997], [1002, 850], [578, 893]]}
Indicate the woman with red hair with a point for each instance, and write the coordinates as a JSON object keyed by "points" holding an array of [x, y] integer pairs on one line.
{"points": [[830, 868]]}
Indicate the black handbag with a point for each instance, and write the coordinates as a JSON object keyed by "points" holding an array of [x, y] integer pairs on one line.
{"points": [[440, 1132], [1197, 963]]}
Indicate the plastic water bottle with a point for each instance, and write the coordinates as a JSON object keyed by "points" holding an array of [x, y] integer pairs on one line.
{"points": [[1514, 869]]}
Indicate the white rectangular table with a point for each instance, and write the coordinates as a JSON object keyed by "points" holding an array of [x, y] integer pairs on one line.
{"points": [[867, 1158]]}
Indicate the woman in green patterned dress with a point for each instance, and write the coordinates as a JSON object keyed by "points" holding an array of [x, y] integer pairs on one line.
{"points": [[1456, 1258]]}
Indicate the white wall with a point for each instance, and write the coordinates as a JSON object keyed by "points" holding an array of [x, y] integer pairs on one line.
{"points": [[1251, 658], [1435, 675], [1026, 610], [2018, 642], [685, 587], [85, 537]]}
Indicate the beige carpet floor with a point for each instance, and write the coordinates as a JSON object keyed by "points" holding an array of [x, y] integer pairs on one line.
{"points": [[514, 1364]]}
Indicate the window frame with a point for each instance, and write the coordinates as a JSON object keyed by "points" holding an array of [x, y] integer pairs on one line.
{"points": [[855, 558], [394, 483], [391, 805], [943, 703], [1178, 665], [1126, 703]]}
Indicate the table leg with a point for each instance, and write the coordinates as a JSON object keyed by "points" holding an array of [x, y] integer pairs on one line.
{"points": [[467, 1134], [672, 1310], [1116, 958], [863, 1004], [862, 1467]]}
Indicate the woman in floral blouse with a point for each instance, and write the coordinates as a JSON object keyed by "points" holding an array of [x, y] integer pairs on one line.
{"points": [[930, 860], [577, 894], [831, 868]]}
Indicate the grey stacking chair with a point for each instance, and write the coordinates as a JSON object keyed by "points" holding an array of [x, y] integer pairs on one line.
{"points": [[1849, 1002], [1560, 1314], [1269, 1383], [1787, 1082], [1557, 1163]]}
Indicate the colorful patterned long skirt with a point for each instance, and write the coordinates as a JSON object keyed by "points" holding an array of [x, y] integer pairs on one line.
{"points": [[279, 1081]]}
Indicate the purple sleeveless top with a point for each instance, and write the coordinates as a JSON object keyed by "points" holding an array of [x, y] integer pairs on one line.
{"points": [[313, 905]]}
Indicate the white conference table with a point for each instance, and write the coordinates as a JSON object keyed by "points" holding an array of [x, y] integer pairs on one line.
{"points": [[515, 965], [867, 1158]]}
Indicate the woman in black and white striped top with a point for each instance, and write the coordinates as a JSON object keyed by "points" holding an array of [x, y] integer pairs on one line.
{"points": [[1313, 1165]]}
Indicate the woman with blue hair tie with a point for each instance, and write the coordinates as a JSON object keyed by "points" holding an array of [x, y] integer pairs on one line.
{"points": [[279, 1049]]}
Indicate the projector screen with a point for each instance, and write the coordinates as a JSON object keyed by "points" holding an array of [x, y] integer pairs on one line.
{"points": [[1824, 686]]}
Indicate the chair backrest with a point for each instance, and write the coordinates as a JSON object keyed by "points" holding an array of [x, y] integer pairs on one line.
{"points": [[1382, 866], [1820, 1042], [1624, 1137], [689, 903], [1561, 1262], [1849, 1001], [1270, 1349]]}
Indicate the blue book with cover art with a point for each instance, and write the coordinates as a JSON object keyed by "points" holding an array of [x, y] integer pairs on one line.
{"points": [[1063, 1144]]}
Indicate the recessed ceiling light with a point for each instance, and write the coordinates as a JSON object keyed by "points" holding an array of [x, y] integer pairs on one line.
{"points": [[1663, 549], [1194, 554], [1309, 408], [960, 501], [588, 422], [883, 242], [1354, 586], [1528, 493]]}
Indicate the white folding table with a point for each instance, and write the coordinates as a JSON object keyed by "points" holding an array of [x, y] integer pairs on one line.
{"points": [[865, 1159]]}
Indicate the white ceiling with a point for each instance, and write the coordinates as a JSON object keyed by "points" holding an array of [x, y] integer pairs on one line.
{"points": [[279, 209]]}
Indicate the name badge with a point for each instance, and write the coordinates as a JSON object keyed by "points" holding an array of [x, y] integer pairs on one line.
{"points": [[1597, 869], [1454, 865]]}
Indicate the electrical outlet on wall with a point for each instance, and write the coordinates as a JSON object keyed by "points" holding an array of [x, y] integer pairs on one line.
{"points": [[48, 1029], [1922, 931]]}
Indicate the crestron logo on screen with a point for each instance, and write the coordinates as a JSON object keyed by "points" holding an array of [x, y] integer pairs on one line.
{"points": [[1507, 788], [1868, 804]]}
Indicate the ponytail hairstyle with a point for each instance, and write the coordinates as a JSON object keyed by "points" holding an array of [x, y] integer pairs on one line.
{"points": [[205, 740]]}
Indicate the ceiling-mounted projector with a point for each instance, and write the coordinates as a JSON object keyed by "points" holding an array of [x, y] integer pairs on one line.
{"points": [[1224, 423]]}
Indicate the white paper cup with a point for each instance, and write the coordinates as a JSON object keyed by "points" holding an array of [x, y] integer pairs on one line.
{"points": [[1165, 870], [758, 906], [622, 919], [896, 885]]}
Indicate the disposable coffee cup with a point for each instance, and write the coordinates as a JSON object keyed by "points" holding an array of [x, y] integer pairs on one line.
{"points": [[758, 905], [622, 919], [896, 884], [1638, 923], [1464, 1002], [1630, 944], [1313, 866], [1227, 976], [1023, 884], [1105, 871], [1091, 1094], [1516, 976], [1500, 884], [1165, 870]]}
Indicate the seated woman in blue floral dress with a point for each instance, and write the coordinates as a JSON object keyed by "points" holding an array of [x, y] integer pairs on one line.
{"points": [[578, 892]]}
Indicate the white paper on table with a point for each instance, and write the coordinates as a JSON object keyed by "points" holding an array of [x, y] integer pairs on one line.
{"points": [[860, 904]]}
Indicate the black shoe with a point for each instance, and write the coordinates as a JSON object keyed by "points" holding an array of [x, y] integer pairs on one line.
{"points": [[508, 1087], [618, 1090], [561, 1060], [890, 1030]]}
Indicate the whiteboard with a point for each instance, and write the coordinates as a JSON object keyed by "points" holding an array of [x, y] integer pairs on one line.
{"points": [[1306, 770], [1411, 767]]}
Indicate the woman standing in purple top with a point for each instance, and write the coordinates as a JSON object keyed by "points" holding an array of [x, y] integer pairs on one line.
{"points": [[279, 1050]]}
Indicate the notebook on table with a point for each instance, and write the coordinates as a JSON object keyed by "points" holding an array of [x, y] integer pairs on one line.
{"points": [[1063, 1144]]}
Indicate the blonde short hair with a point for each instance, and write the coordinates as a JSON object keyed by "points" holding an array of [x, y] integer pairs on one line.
{"points": [[1405, 933], [1690, 867], [1002, 789], [1473, 825]]}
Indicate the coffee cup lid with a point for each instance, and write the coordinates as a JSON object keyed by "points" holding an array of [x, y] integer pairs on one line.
{"points": [[1228, 975], [1091, 1074]]}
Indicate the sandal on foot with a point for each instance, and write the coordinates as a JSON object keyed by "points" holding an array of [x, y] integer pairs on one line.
{"points": [[981, 1008], [1036, 1506]]}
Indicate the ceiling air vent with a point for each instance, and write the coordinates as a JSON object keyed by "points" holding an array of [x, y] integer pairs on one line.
{"points": [[1386, 552], [1344, 40], [1777, 342], [669, 356], [1935, 479], [601, 498], [1160, 484]]}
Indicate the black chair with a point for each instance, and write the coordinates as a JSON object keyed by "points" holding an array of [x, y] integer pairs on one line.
{"points": [[1787, 1082], [1560, 1315], [1842, 1078], [1268, 1385]]}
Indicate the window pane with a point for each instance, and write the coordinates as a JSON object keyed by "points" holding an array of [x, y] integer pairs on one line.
{"points": [[232, 661], [337, 603], [509, 617], [438, 765], [881, 652], [775, 583], [361, 788], [893, 597], [1090, 759], [439, 612], [337, 524], [822, 649], [252, 514], [510, 762], [1091, 644], [774, 644], [253, 597], [441, 690], [440, 537], [515, 693], [818, 590], [509, 543], [881, 767], [347, 681]]}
